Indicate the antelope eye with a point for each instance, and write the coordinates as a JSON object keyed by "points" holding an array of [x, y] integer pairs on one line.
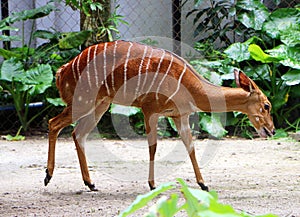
{"points": [[266, 107]]}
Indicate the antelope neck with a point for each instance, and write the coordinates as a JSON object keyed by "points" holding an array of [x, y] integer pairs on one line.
{"points": [[212, 98]]}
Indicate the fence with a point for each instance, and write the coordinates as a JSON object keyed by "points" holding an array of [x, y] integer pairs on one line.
{"points": [[164, 18]]}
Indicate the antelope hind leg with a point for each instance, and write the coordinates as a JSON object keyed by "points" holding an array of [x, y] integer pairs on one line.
{"points": [[84, 127]]}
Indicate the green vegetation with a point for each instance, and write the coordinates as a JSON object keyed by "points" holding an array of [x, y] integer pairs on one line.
{"points": [[268, 51], [196, 203], [26, 74], [270, 56]]}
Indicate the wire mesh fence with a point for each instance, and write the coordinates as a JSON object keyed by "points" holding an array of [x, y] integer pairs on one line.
{"points": [[186, 21]]}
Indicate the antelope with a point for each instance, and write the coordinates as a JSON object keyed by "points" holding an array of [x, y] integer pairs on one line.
{"points": [[160, 83]]}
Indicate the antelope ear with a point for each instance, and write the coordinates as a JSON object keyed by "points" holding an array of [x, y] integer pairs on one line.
{"points": [[243, 81]]}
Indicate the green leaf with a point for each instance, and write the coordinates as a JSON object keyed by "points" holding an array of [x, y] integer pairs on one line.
{"points": [[73, 39], [7, 54], [281, 20], [253, 19], [259, 55], [143, 200], [124, 110], [255, 15], [192, 205], [172, 123], [280, 133], [167, 207], [287, 56], [36, 79], [251, 5], [10, 68], [292, 77], [56, 101], [28, 14], [10, 38], [44, 34], [238, 51], [14, 138], [290, 37], [212, 125]]}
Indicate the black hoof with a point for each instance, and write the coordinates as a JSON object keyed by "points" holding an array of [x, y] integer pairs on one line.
{"points": [[203, 187], [47, 178], [91, 186], [151, 186]]}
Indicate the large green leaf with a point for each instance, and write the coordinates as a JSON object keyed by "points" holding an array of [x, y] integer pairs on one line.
{"points": [[259, 55], [281, 20], [37, 79], [288, 56], [238, 51], [290, 37], [73, 39], [11, 68], [255, 13], [292, 77], [253, 19], [251, 5], [28, 14]]}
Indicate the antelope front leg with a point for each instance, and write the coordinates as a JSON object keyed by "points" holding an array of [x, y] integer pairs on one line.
{"points": [[56, 124], [183, 127], [151, 130]]}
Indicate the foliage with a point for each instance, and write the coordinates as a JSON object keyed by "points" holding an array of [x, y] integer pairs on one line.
{"points": [[212, 22], [270, 56], [197, 203], [103, 21], [26, 74]]}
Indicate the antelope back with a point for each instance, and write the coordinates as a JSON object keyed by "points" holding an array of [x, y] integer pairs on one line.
{"points": [[129, 73]]}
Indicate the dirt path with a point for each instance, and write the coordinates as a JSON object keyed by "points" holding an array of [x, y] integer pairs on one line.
{"points": [[256, 176]]}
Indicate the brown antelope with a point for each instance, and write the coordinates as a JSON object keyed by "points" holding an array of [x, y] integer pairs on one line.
{"points": [[155, 80]]}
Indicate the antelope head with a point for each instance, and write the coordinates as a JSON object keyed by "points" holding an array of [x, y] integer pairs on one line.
{"points": [[258, 106]]}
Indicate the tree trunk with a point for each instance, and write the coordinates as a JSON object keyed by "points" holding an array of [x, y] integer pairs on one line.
{"points": [[98, 18]]}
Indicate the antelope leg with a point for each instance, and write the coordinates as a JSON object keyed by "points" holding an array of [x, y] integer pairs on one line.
{"points": [[182, 125]]}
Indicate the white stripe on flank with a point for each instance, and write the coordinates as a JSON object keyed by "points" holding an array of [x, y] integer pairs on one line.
{"points": [[73, 69], [104, 69], [157, 71], [113, 67], [178, 84], [95, 66], [125, 68], [165, 75], [140, 72], [78, 64], [88, 67], [147, 68]]}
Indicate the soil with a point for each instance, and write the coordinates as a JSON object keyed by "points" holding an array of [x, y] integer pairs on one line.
{"points": [[257, 176]]}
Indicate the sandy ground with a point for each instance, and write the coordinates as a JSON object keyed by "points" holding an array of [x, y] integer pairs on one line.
{"points": [[257, 176]]}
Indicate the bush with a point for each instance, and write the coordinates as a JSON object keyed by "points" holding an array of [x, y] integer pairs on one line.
{"points": [[197, 203]]}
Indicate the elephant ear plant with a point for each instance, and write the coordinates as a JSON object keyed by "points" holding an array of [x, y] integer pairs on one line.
{"points": [[26, 73]]}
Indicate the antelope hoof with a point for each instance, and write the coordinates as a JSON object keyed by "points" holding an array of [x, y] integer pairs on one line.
{"points": [[151, 185], [203, 187], [91, 186], [47, 178]]}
